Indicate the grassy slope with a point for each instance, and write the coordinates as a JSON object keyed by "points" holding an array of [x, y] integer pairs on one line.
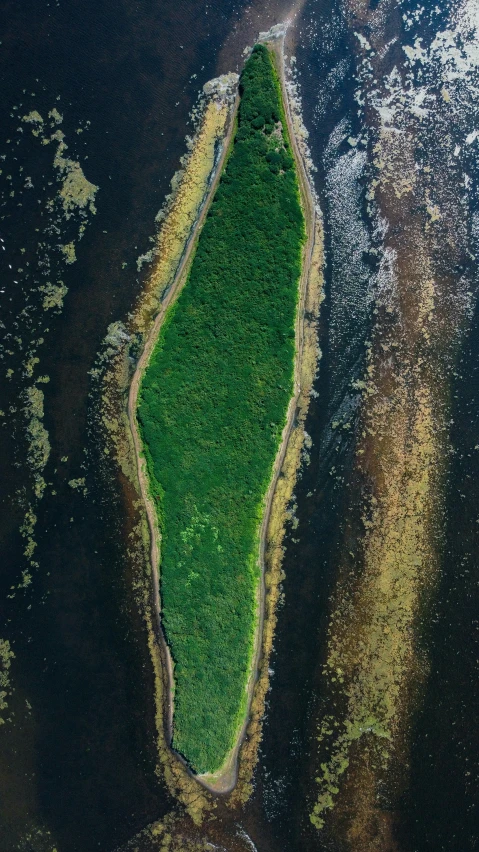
{"points": [[212, 408]]}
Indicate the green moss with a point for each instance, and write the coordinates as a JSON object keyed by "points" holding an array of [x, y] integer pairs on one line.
{"points": [[212, 407]]}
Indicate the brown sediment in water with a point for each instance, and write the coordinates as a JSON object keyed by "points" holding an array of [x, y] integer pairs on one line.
{"points": [[375, 667]]}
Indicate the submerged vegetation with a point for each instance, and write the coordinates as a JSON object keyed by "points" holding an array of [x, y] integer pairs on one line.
{"points": [[212, 407]]}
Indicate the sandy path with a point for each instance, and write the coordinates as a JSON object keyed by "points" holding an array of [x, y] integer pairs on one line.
{"points": [[225, 780]]}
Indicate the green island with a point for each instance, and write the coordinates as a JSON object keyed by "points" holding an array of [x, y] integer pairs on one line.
{"points": [[212, 407]]}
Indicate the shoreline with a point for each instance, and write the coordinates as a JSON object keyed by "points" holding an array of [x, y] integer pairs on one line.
{"points": [[226, 778]]}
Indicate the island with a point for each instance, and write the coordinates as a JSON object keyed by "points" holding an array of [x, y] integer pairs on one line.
{"points": [[212, 411]]}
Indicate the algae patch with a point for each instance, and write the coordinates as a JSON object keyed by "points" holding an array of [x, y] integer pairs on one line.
{"points": [[77, 192], [39, 444], [6, 657], [69, 253], [54, 295]]}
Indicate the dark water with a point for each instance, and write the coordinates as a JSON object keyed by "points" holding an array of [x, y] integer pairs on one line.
{"points": [[442, 807], [78, 760], [77, 757]]}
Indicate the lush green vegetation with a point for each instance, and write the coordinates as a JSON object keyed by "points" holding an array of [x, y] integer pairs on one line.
{"points": [[212, 407]]}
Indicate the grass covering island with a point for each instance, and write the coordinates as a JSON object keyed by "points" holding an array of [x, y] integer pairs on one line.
{"points": [[212, 407]]}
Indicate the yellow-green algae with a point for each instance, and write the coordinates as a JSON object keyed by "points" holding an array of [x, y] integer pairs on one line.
{"points": [[54, 295], [41, 267], [76, 195], [176, 220]]}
